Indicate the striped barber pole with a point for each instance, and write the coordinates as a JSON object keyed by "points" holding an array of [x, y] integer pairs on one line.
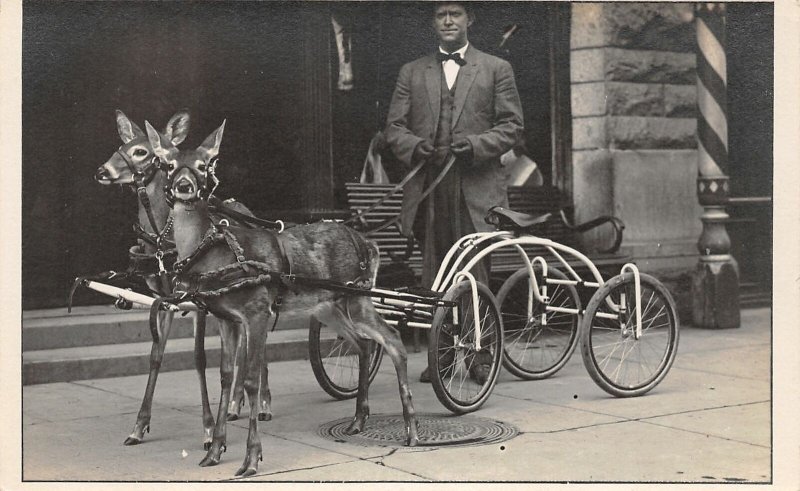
{"points": [[715, 286], [712, 122]]}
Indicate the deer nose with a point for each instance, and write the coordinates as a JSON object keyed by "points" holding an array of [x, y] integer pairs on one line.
{"points": [[102, 174]]}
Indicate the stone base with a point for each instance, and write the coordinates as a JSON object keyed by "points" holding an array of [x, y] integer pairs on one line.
{"points": [[715, 295]]}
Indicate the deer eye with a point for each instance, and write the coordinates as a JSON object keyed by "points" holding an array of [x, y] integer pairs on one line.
{"points": [[139, 152], [170, 166], [201, 167]]}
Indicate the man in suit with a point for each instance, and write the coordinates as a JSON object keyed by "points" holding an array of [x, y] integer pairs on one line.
{"points": [[458, 101]]}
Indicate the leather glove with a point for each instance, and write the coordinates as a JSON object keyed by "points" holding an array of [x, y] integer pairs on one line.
{"points": [[462, 149], [422, 151]]}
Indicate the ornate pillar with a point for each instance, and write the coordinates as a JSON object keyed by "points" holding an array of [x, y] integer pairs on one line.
{"points": [[715, 286], [317, 150]]}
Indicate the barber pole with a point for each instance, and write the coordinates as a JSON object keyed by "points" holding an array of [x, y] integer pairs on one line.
{"points": [[715, 288]]}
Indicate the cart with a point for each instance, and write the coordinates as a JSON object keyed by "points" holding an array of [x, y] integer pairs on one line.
{"points": [[628, 331]]}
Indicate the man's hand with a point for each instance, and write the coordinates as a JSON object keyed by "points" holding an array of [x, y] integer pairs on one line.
{"points": [[422, 151], [463, 150]]}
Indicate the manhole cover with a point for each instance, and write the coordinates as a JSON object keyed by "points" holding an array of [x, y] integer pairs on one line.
{"points": [[389, 430]]}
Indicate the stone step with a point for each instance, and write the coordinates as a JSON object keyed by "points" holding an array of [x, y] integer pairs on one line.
{"points": [[113, 360], [104, 325]]}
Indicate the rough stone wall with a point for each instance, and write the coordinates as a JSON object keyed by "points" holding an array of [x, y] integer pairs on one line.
{"points": [[634, 122]]}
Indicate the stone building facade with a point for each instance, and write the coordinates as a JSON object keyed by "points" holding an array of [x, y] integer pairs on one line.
{"points": [[633, 89]]}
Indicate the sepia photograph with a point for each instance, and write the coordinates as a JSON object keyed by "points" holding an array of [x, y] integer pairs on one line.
{"points": [[394, 241]]}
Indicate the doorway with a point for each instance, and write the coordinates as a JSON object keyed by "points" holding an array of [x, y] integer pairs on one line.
{"points": [[749, 50]]}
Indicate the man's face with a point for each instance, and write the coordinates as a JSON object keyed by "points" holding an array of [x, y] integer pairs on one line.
{"points": [[451, 22]]}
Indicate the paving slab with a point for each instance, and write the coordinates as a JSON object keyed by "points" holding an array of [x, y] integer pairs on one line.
{"points": [[360, 470], [66, 401], [171, 452], [629, 451], [752, 362], [748, 423]]}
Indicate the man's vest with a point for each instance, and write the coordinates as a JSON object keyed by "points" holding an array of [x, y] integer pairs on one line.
{"points": [[444, 130]]}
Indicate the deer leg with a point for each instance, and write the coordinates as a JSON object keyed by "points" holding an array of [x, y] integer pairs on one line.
{"points": [[237, 399], [336, 316], [142, 424], [200, 366], [229, 333], [265, 396], [362, 397], [255, 340], [366, 318]]}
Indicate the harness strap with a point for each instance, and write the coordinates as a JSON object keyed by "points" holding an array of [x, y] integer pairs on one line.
{"points": [[361, 250], [207, 243], [286, 262], [155, 308], [248, 221], [141, 191]]}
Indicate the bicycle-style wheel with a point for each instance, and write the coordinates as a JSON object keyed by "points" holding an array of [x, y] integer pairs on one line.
{"points": [[537, 345], [619, 362], [335, 363], [463, 374]]}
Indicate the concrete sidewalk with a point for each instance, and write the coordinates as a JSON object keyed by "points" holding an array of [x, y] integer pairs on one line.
{"points": [[708, 421]]}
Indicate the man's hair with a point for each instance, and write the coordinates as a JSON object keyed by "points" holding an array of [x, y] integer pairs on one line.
{"points": [[465, 5]]}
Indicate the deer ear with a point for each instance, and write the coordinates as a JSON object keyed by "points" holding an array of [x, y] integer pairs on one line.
{"points": [[212, 143], [161, 145], [126, 128], [177, 127]]}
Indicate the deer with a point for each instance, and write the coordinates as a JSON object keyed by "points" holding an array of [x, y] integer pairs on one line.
{"points": [[134, 164], [246, 276]]}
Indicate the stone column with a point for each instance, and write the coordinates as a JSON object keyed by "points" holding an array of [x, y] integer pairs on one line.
{"points": [[634, 121], [715, 286]]}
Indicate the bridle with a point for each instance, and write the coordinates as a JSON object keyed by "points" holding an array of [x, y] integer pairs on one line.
{"points": [[207, 182], [141, 178]]}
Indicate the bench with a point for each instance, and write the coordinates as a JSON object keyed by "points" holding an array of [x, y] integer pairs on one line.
{"points": [[531, 200]]}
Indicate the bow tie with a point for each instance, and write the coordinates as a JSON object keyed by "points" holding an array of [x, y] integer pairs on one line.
{"points": [[451, 56]]}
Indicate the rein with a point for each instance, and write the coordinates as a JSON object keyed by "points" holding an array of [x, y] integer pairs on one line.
{"points": [[359, 215]]}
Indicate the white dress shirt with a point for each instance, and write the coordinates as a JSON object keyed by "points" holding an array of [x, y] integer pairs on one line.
{"points": [[451, 67]]}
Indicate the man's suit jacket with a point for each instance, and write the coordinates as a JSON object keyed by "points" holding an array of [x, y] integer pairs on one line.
{"points": [[487, 111]]}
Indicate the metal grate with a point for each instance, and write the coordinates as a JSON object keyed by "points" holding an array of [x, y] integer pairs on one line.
{"points": [[388, 430]]}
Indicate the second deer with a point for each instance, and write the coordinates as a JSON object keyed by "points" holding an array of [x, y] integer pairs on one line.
{"points": [[243, 276]]}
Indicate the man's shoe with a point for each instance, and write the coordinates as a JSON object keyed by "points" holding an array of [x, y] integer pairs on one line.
{"points": [[425, 376]]}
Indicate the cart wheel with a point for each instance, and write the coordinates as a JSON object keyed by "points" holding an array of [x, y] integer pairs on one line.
{"points": [[618, 362], [533, 349], [335, 365], [462, 377]]}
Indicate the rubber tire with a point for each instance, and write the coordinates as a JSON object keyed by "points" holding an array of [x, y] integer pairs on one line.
{"points": [[436, 336], [318, 367], [517, 280], [596, 302]]}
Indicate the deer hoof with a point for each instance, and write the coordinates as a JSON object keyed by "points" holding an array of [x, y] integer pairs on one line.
{"points": [[137, 435], [208, 461], [132, 440], [264, 416], [356, 426], [213, 455], [232, 416], [250, 465]]}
